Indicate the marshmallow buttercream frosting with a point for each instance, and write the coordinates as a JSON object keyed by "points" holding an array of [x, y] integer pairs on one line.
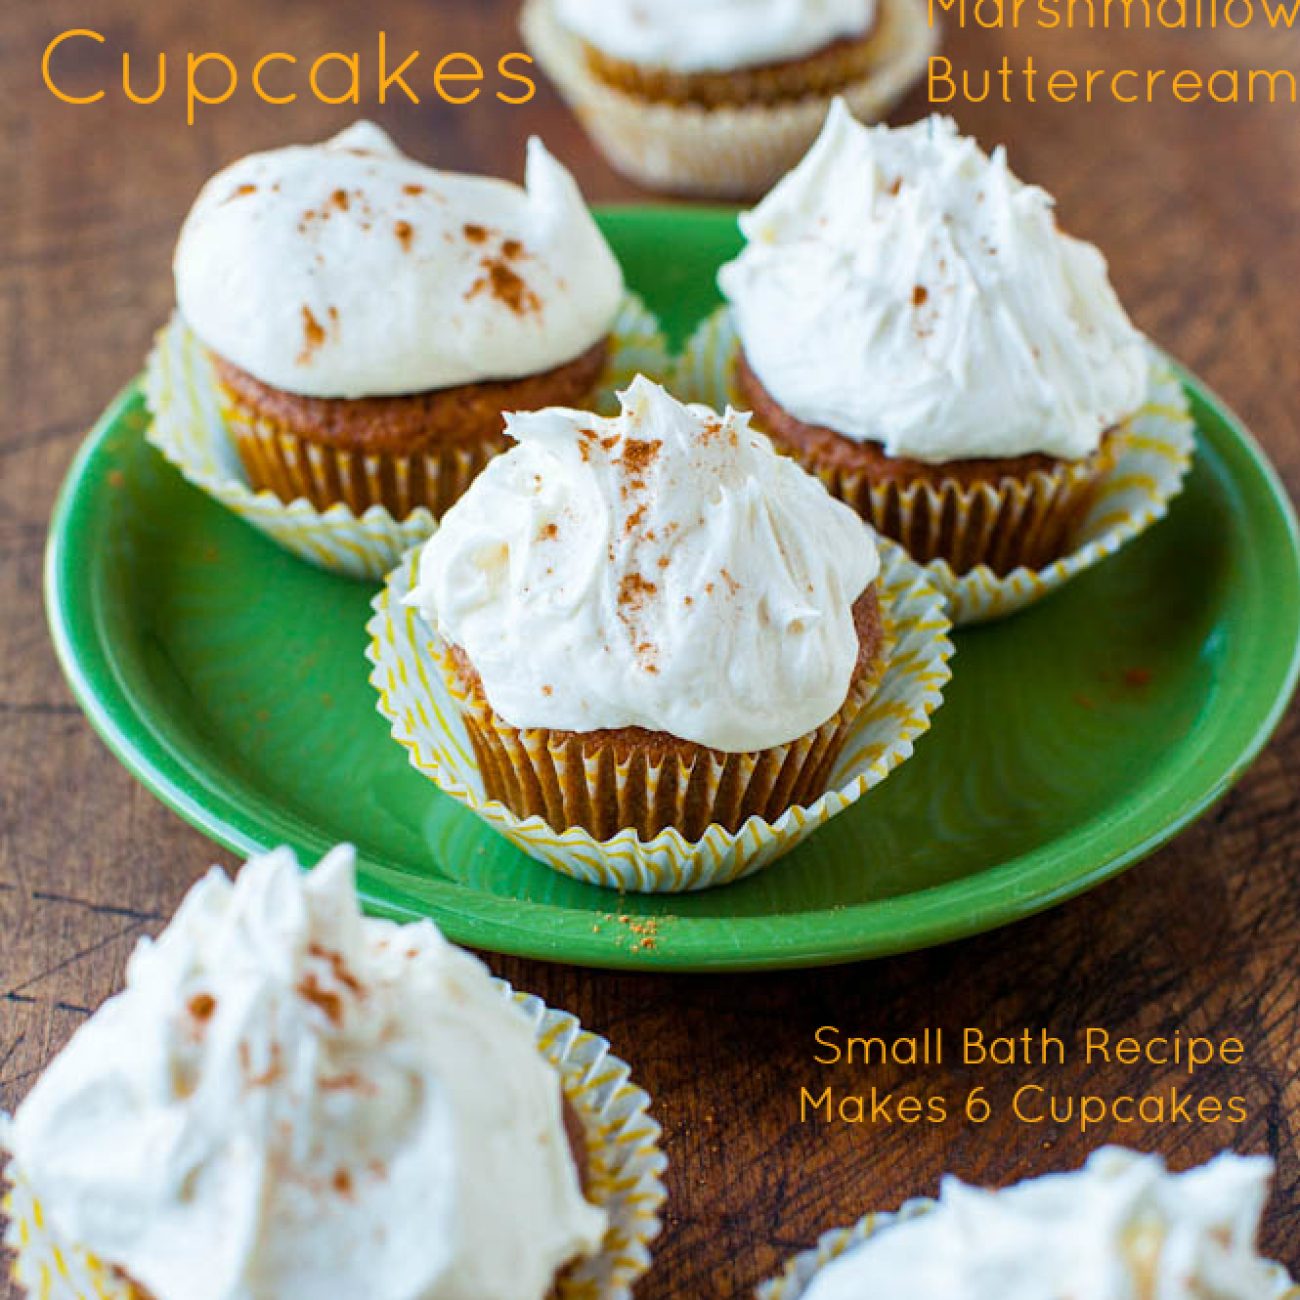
{"points": [[346, 269], [901, 287], [714, 35], [663, 568], [1118, 1229], [291, 1102]]}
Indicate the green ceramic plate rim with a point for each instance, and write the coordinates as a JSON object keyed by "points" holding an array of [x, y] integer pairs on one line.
{"points": [[1259, 683]]}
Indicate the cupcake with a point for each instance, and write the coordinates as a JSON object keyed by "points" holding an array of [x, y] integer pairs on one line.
{"points": [[725, 52], [369, 320], [652, 620], [1121, 1227], [720, 97], [287, 1101], [916, 330]]}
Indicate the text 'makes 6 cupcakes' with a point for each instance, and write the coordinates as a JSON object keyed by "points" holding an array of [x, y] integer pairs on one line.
{"points": [[653, 620], [369, 319], [916, 329]]}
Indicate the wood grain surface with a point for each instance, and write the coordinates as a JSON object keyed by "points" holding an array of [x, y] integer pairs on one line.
{"points": [[1198, 209]]}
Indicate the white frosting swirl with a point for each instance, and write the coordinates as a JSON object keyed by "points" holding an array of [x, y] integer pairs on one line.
{"points": [[662, 569], [290, 1102], [345, 269], [1117, 1229], [902, 287], [713, 35]]}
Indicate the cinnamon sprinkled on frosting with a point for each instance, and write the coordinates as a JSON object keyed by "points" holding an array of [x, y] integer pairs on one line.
{"points": [[904, 288], [409, 1142], [501, 281], [201, 1006], [662, 568], [313, 335], [482, 280]]}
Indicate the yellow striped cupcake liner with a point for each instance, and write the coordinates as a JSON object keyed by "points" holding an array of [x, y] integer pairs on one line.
{"points": [[730, 152], [795, 1278], [425, 719], [1155, 453], [624, 1177], [190, 431]]}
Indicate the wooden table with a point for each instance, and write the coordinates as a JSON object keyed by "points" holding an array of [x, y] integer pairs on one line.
{"points": [[1198, 209]]}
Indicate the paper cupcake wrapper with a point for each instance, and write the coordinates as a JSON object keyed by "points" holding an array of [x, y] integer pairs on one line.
{"points": [[624, 1177], [795, 1278], [1154, 452], [426, 721], [293, 467], [1018, 523], [568, 783], [625, 1163], [727, 152], [190, 430]]}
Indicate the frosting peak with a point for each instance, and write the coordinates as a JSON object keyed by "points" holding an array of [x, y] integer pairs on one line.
{"points": [[714, 35], [663, 568], [291, 1102], [900, 286], [346, 269], [1120, 1227]]}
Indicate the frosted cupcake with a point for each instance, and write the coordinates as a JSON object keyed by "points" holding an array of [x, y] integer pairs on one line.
{"points": [[918, 332], [1121, 1227], [289, 1101], [724, 51], [652, 620], [721, 96], [369, 319]]}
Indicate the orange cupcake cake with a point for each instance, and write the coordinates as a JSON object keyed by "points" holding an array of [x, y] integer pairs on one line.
{"points": [[291, 1101], [918, 332], [725, 51], [719, 97], [370, 319], [652, 620]]}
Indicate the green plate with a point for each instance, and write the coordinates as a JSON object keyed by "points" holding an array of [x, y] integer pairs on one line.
{"points": [[1075, 738]]}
